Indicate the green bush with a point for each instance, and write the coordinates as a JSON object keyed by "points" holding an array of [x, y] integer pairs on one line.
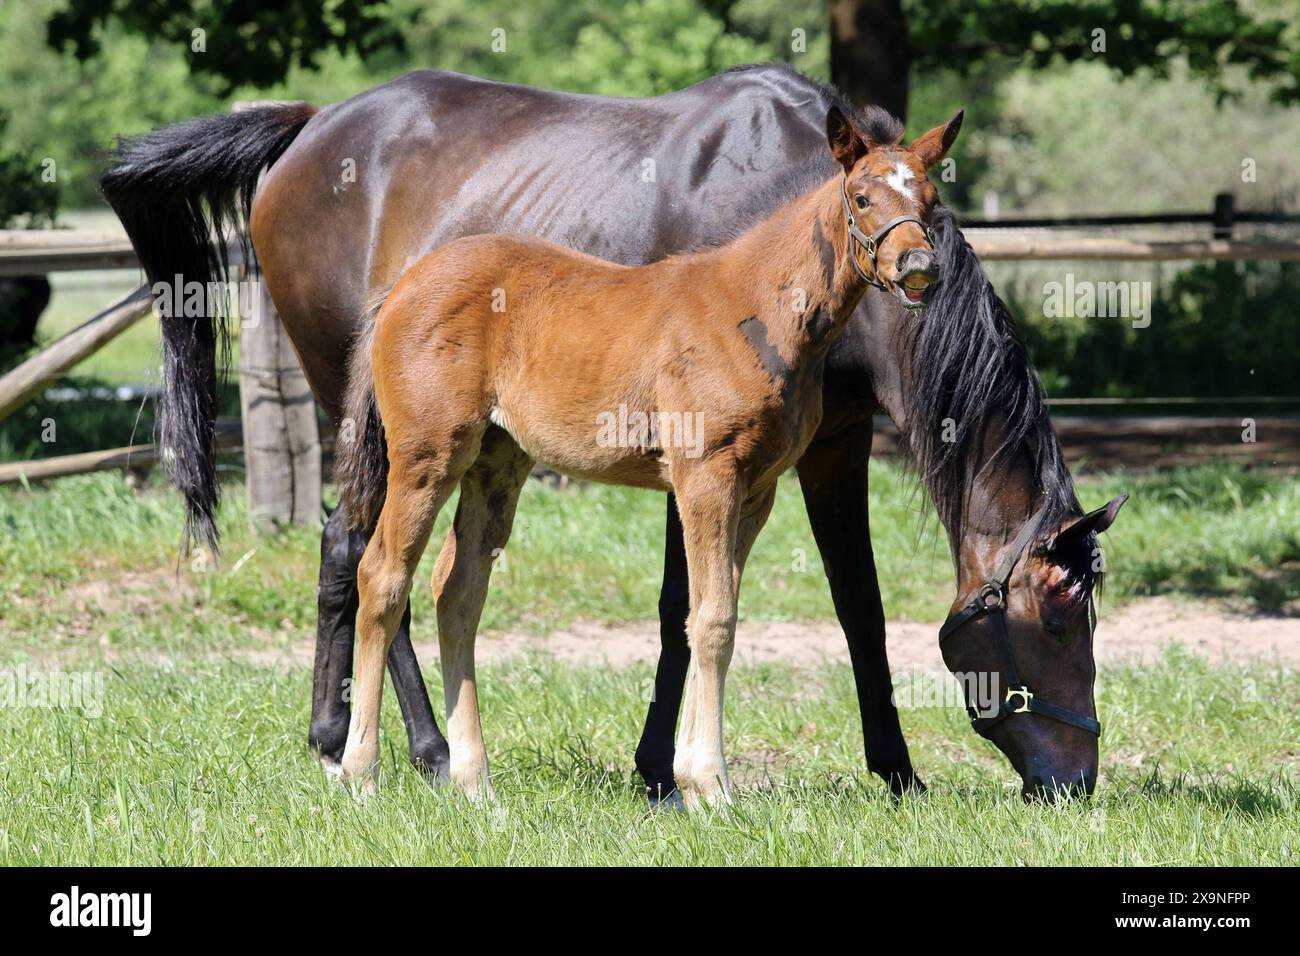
{"points": [[1218, 330]]}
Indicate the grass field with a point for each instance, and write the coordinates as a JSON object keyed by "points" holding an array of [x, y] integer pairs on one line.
{"points": [[196, 753], [202, 763]]}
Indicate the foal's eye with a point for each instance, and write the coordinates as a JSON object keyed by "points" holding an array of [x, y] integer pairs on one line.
{"points": [[861, 201]]}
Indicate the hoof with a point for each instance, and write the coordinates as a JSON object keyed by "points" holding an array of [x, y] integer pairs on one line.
{"points": [[474, 782], [332, 767], [670, 802], [714, 798], [328, 739], [433, 761], [361, 783], [902, 783], [361, 789]]}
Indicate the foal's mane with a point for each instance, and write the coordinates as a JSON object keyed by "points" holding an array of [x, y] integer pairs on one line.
{"points": [[963, 357]]}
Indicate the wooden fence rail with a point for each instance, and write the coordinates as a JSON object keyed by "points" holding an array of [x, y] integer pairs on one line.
{"points": [[24, 252], [1056, 248], [20, 384]]}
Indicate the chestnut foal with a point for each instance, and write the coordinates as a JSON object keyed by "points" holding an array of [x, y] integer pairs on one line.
{"points": [[490, 353]]}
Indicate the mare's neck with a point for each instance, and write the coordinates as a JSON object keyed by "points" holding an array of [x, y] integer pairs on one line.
{"points": [[1002, 497]]}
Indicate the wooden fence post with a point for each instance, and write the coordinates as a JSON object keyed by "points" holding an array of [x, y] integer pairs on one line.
{"points": [[281, 441], [1224, 214]]}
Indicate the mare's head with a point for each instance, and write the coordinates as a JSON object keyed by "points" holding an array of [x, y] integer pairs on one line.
{"points": [[1019, 637], [890, 201], [972, 415]]}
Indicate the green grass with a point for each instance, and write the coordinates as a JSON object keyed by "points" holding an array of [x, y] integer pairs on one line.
{"points": [[89, 561], [203, 763], [198, 755]]}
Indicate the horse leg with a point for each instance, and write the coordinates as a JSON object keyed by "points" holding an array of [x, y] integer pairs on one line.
{"points": [[336, 612], [751, 523], [489, 493], [833, 476], [710, 510], [419, 483], [654, 754], [336, 615]]}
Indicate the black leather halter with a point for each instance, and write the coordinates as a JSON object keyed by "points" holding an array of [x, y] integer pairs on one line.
{"points": [[991, 599], [872, 243]]}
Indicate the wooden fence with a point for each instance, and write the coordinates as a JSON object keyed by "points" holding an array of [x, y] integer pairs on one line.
{"points": [[279, 435]]}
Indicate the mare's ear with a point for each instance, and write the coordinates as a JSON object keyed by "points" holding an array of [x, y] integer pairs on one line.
{"points": [[846, 143], [1094, 522], [931, 147]]}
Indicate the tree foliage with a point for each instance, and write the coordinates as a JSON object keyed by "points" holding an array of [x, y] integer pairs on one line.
{"points": [[234, 40], [25, 194], [1211, 36]]}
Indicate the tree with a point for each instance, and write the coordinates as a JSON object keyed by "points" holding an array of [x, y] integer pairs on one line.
{"points": [[24, 195], [875, 44], [871, 55], [234, 40]]}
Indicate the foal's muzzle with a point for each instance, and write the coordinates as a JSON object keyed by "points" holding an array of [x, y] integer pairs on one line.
{"points": [[918, 273]]}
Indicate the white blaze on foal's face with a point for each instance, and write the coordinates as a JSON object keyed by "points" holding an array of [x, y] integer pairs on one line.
{"points": [[899, 178]]}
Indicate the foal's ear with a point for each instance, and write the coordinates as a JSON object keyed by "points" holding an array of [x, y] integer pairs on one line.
{"points": [[1094, 522], [931, 147], [846, 143]]}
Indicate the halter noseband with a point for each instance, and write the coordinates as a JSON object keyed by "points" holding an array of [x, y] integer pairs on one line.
{"points": [[991, 599], [872, 243]]}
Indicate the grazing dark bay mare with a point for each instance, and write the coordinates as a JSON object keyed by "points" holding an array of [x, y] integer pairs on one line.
{"points": [[359, 190]]}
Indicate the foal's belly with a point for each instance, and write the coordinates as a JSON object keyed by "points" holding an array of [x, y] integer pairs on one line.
{"points": [[598, 450]]}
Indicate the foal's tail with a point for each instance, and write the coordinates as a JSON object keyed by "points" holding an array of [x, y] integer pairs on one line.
{"points": [[361, 450], [176, 189]]}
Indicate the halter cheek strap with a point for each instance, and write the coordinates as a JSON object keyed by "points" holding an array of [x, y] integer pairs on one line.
{"points": [[872, 243], [991, 599]]}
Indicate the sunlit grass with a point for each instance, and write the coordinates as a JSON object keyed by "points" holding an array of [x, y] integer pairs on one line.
{"points": [[90, 560], [204, 763], [199, 756]]}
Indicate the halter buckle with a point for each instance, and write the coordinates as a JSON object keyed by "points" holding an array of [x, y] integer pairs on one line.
{"points": [[1025, 694], [992, 597]]}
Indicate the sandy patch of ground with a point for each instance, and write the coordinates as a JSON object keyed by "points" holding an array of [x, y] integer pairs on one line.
{"points": [[1138, 632]]}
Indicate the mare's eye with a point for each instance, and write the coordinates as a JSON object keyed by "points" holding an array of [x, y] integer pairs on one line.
{"points": [[861, 201]]}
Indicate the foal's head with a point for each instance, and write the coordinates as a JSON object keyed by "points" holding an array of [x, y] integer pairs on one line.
{"points": [[891, 202]]}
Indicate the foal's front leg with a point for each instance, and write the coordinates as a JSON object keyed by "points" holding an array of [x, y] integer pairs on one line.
{"points": [[717, 543]]}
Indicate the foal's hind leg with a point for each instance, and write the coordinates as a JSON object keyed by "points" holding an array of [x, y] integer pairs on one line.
{"points": [[489, 493], [419, 483]]}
